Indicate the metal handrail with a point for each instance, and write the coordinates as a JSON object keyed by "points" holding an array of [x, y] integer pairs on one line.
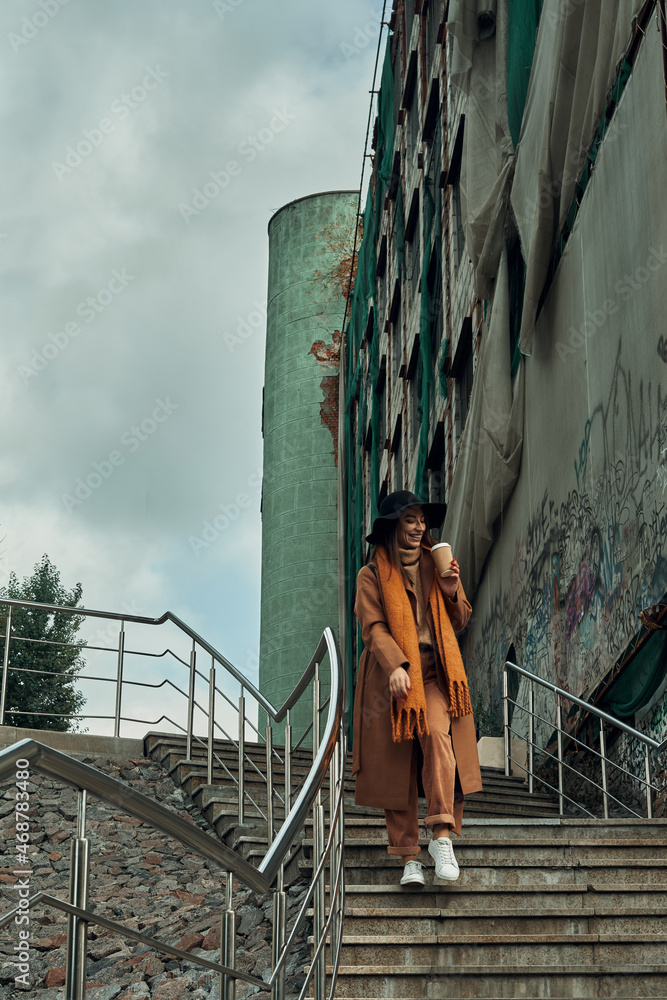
{"points": [[568, 696], [193, 706], [91, 917], [277, 714], [85, 778], [560, 695], [74, 772]]}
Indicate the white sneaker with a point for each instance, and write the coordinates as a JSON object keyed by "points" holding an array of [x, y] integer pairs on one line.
{"points": [[412, 874], [446, 865]]}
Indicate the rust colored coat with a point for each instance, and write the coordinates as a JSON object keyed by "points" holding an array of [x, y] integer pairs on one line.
{"points": [[382, 767]]}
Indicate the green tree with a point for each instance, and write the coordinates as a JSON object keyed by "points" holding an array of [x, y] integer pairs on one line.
{"points": [[50, 650]]}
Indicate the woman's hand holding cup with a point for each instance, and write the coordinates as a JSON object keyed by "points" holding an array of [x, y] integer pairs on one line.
{"points": [[450, 583], [447, 568]]}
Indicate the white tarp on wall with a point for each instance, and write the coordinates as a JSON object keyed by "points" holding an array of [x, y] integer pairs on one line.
{"points": [[479, 62], [583, 545], [579, 47], [490, 455]]}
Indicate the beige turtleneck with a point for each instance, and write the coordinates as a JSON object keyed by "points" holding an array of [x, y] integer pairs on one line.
{"points": [[410, 563]]}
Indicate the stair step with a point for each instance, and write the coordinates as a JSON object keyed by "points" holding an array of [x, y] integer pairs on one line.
{"points": [[472, 850], [502, 949], [485, 981], [546, 905], [435, 920], [511, 872], [457, 898], [369, 824]]}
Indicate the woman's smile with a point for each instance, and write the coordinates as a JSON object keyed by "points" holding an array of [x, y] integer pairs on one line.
{"points": [[411, 528]]}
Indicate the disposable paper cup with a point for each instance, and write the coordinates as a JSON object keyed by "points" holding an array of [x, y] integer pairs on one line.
{"points": [[442, 557]]}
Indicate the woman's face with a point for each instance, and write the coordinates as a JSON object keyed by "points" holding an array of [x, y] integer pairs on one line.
{"points": [[411, 527]]}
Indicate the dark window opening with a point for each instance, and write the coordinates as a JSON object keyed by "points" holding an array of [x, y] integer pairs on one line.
{"points": [[459, 231], [435, 463], [396, 331], [464, 385], [433, 21], [397, 452], [434, 282], [415, 261], [416, 391]]}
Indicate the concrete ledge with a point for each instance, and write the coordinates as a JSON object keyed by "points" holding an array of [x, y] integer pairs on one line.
{"points": [[75, 744]]}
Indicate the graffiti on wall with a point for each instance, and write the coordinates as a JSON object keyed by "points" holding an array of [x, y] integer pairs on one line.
{"points": [[584, 568]]}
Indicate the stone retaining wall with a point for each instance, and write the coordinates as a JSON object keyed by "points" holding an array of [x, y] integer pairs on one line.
{"points": [[139, 877]]}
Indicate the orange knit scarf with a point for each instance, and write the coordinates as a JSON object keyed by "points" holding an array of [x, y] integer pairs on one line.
{"points": [[408, 717]]}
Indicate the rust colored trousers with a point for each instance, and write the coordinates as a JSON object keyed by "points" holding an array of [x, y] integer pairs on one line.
{"points": [[444, 801]]}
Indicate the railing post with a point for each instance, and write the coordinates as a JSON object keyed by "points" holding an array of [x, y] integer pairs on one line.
{"points": [[649, 800], [288, 764], [228, 942], [318, 898], [559, 722], [316, 710], [279, 895], [241, 757], [269, 784], [341, 825], [603, 762], [278, 936], [506, 722], [211, 722], [319, 989], [5, 665], [119, 679], [335, 778], [191, 701], [75, 970], [531, 739]]}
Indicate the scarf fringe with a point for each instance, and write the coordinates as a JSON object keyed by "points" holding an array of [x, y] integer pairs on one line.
{"points": [[405, 724], [408, 716]]}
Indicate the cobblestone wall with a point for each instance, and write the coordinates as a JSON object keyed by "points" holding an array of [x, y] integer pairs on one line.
{"points": [[138, 877]]}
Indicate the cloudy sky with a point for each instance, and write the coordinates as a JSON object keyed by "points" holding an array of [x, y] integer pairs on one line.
{"points": [[144, 148]]}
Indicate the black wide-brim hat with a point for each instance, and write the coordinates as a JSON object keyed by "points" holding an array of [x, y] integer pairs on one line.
{"points": [[396, 504]]}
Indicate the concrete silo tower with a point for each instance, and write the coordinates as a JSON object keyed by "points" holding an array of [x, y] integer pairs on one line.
{"points": [[310, 254]]}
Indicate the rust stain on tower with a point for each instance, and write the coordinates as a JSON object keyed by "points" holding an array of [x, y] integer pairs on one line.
{"points": [[328, 355]]}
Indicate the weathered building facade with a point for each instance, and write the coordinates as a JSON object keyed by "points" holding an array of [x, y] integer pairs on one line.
{"points": [[506, 346]]}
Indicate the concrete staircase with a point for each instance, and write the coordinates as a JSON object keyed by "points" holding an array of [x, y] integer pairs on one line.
{"points": [[544, 907]]}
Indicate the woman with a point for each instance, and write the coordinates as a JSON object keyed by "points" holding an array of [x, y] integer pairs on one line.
{"points": [[412, 690]]}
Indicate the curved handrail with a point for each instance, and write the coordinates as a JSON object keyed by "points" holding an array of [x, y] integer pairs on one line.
{"points": [[150, 942], [648, 740], [277, 714], [74, 772]]}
